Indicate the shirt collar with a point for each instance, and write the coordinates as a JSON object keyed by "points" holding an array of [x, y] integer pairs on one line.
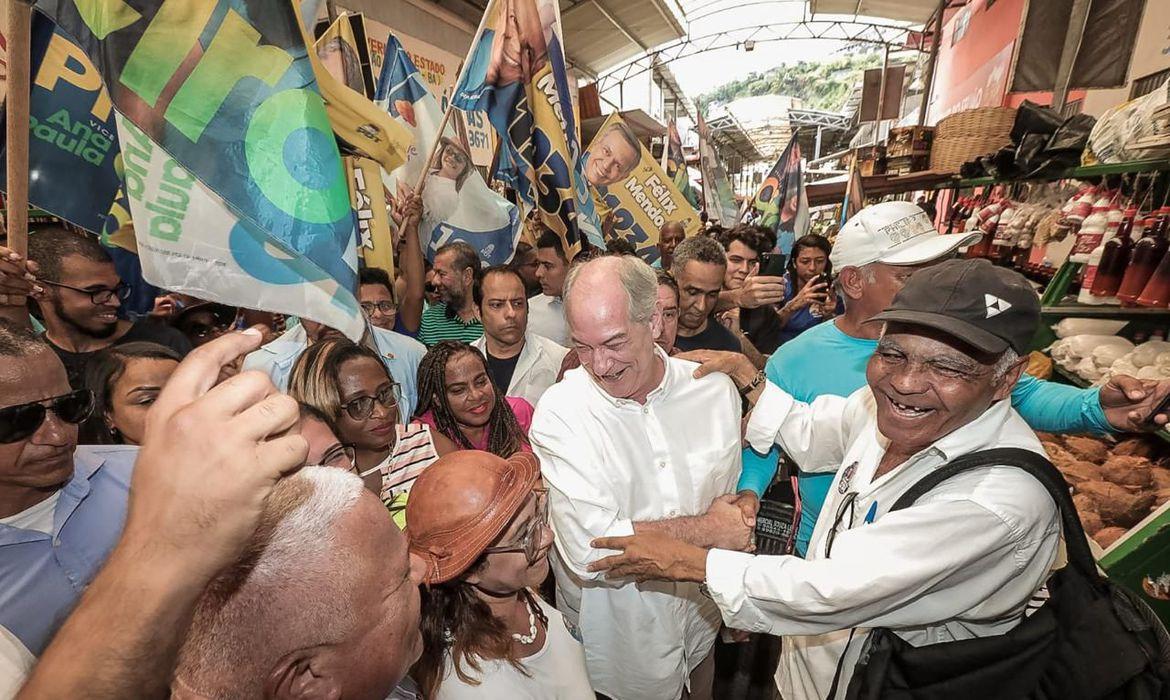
{"points": [[655, 394]]}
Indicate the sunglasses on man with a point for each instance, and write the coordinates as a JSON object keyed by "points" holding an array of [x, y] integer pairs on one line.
{"points": [[21, 421]]}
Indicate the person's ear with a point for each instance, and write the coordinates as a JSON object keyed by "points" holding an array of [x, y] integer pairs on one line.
{"points": [[418, 569], [1005, 384], [656, 320], [851, 282], [302, 675]]}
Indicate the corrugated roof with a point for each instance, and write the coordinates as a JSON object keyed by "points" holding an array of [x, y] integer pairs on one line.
{"points": [[914, 11]]}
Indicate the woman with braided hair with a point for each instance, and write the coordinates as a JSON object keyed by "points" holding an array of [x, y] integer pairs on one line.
{"points": [[464, 407]]}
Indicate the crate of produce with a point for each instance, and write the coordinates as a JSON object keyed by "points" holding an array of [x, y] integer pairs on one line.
{"points": [[909, 141]]}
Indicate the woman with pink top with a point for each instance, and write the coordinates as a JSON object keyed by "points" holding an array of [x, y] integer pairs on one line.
{"points": [[463, 406]]}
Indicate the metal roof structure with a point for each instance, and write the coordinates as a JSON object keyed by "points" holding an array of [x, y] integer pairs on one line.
{"points": [[913, 11]]}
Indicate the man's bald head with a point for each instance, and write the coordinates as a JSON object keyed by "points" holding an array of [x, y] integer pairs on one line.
{"points": [[324, 582]]}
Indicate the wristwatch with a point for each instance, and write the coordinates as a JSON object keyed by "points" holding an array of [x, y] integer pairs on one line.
{"points": [[756, 381]]}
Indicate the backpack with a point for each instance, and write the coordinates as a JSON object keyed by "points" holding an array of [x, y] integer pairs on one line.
{"points": [[1091, 639]]}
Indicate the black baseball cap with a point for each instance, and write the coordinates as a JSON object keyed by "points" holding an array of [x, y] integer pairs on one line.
{"points": [[987, 307]]}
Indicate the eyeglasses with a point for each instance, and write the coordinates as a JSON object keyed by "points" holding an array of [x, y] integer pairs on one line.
{"points": [[845, 507], [383, 307], [342, 457], [533, 536], [361, 407], [21, 421], [97, 296]]}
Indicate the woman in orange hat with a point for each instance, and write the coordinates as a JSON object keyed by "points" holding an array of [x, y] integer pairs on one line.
{"points": [[479, 531]]}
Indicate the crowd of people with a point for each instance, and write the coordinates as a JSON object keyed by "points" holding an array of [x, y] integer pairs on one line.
{"points": [[536, 480]]}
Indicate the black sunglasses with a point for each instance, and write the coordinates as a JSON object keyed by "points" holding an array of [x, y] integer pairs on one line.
{"points": [[98, 296], [19, 422]]}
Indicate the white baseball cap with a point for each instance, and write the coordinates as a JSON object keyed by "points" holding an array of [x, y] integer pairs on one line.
{"points": [[894, 233]]}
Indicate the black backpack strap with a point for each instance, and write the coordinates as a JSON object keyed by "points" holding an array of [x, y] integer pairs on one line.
{"points": [[1041, 469]]}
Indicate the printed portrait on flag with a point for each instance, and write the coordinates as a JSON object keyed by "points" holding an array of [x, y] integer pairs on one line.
{"points": [[613, 155], [782, 200], [516, 74], [457, 204], [642, 198]]}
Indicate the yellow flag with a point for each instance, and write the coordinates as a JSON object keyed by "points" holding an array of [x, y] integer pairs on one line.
{"points": [[375, 239], [638, 195], [355, 119]]}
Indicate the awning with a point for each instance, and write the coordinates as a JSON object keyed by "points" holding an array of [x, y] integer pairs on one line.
{"points": [[915, 11], [645, 126]]}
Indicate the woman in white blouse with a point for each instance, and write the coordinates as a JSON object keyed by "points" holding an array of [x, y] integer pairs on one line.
{"points": [[479, 529]]}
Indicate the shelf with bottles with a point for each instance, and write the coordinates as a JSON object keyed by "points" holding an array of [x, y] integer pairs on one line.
{"points": [[1069, 307], [1082, 173]]}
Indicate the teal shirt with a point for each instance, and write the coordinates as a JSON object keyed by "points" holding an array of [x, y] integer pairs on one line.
{"points": [[824, 360]]}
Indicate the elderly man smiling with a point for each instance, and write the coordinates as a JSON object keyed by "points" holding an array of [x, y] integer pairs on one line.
{"points": [[960, 563]]}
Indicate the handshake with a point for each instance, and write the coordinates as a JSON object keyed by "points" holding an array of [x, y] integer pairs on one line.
{"points": [[730, 523]]}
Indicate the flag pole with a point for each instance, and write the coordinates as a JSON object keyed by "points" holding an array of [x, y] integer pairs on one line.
{"points": [[18, 33], [422, 178]]}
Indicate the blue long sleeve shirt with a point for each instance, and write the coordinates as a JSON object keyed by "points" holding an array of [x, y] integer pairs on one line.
{"points": [[824, 360]]}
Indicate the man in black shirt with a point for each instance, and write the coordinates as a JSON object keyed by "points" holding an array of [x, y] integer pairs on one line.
{"points": [[80, 294], [522, 364], [699, 266]]}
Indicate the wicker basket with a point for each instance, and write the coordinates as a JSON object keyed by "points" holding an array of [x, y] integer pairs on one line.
{"points": [[966, 135], [948, 154], [982, 121]]}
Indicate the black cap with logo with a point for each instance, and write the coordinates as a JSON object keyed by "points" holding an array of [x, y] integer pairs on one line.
{"points": [[987, 307]]}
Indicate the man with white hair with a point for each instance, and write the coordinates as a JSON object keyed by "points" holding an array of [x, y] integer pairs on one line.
{"points": [[321, 604], [874, 255], [631, 442]]}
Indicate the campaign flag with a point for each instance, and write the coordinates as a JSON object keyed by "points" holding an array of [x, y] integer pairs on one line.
{"points": [[718, 198], [644, 198], [674, 162], [375, 239], [457, 204], [233, 174], [338, 52], [72, 142], [516, 73], [782, 201]]}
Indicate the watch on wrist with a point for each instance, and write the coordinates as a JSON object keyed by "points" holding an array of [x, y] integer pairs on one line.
{"points": [[755, 382]]}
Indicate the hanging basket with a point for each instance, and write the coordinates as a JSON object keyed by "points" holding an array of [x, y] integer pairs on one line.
{"points": [[983, 121]]}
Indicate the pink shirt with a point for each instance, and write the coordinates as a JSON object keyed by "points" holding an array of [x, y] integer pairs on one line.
{"points": [[520, 407]]}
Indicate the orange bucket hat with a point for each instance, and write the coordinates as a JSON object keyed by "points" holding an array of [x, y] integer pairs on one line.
{"points": [[461, 504]]}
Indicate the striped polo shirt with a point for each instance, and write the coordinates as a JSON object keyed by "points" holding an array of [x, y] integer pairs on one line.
{"points": [[437, 327], [413, 451]]}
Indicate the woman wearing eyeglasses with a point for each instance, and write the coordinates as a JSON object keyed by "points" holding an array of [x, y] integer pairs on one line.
{"points": [[479, 531], [464, 408], [125, 380], [349, 385]]}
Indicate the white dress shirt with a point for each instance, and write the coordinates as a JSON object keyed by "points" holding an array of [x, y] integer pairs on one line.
{"points": [[961, 563], [546, 316], [609, 463], [536, 368], [16, 664]]}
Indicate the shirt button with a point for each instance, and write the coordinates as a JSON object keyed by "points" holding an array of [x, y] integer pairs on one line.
{"points": [[645, 411], [662, 465], [673, 513]]}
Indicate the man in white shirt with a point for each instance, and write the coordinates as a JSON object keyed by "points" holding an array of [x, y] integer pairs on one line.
{"points": [[546, 311], [631, 443], [522, 364], [960, 563]]}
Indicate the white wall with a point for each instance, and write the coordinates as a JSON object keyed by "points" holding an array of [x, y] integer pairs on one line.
{"points": [[1151, 54]]}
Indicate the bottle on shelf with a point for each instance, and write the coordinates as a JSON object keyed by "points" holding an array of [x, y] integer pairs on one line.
{"points": [[1091, 233], [1147, 254], [1115, 258], [1093, 268]]}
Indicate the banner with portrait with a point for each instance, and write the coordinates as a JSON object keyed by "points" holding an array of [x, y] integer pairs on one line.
{"points": [[718, 198], [457, 204], [635, 190], [516, 74], [782, 200]]}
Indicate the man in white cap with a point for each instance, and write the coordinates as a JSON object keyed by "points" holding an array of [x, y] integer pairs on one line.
{"points": [[874, 254]]}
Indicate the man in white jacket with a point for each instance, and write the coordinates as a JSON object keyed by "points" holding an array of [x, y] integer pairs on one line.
{"points": [[523, 364], [963, 561]]}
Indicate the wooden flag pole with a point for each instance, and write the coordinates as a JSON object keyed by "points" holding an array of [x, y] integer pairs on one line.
{"points": [[422, 178], [19, 36]]}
